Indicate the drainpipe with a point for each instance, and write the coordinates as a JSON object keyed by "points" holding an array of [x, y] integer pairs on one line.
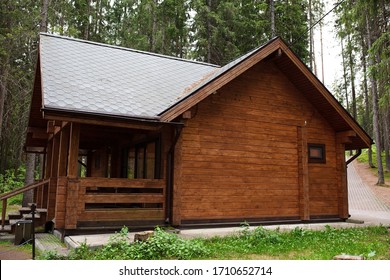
{"points": [[358, 153], [170, 175]]}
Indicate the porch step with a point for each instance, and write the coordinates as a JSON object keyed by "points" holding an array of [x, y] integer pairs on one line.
{"points": [[14, 215], [27, 210], [6, 229]]}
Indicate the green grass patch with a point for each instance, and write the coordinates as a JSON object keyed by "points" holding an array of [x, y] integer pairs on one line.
{"points": [[298, 244]]}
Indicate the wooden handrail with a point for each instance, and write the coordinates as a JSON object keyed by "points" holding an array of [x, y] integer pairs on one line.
{"points": [[12, 193], [23, 189]]}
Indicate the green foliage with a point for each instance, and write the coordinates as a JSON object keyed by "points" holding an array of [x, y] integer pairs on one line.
{"points": [[161, 245], [12, 179], [258, 243]]}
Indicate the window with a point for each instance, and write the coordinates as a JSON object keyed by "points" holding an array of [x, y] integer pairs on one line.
{"points": [[147, 160], [316, 153]]}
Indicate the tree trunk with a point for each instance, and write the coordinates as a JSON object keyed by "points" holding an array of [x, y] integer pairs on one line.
{"points": [[29, 179], [272, 11], [209, 32], [351, 69], [375, 110], [3, 92], [344, 75], [45, 6], [386, 141]]}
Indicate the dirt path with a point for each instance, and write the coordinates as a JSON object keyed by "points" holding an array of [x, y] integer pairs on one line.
{"points": [[10, 252], [382, 192]]}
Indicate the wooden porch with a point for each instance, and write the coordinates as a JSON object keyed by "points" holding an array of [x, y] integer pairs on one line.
{"points": [[108, 202]]}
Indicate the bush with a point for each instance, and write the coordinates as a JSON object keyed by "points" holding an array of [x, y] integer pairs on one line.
{"points": [[12, 179], [161, 245]]}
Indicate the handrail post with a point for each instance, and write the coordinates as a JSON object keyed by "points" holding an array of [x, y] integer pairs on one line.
{"points": [[33, 208], [3, 213]]}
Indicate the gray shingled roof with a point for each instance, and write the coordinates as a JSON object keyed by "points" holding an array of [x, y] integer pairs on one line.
{"points": [[83, 76]]}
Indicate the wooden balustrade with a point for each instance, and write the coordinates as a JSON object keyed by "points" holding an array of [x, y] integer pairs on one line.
{"points": [[113, 200]]}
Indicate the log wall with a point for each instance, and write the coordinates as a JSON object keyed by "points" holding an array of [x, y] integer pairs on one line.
{"points": [[241, 155]]}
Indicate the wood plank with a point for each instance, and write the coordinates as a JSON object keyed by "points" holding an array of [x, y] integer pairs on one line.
{"points": [[238, 192], [122, 183], [124, 198], [124, 214], [233, 214]]}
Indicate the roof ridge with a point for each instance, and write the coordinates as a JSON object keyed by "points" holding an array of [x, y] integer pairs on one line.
{"points": [[128, 49]]}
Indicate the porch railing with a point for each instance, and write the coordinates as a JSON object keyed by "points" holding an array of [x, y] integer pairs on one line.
{"points": [[111, 201], [39, 191]]}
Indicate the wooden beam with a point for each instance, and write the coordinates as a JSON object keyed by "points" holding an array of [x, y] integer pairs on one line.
{"points": [[63, 151], [73, 151], [177, 183], [342, 185], [55, 157], [37, 132], [49, 158], [303, 172], [347, 133], [105, 122]]}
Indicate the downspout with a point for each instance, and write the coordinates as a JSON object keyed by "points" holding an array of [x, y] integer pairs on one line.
{"points": [[358, 153], [170, 175]]}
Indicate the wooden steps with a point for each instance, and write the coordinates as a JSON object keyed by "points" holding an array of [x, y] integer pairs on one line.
{"points": [[24, 214]]}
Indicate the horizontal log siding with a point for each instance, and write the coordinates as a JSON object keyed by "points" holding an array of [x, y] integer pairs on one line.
{"points": [[239, 155], [233, 165], [323, 180]]}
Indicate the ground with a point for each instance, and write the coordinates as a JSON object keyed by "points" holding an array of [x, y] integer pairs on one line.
{"points": [[368, 176], [8, 252]]}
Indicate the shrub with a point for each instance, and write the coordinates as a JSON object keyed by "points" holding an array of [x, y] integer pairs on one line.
{"points": [[12, 179]]}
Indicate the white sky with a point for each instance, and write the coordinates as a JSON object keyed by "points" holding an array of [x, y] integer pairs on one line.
{"points": [[331, 49]]}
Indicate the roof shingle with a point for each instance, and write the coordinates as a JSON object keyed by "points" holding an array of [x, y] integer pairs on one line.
{"points": [[82, 76]]}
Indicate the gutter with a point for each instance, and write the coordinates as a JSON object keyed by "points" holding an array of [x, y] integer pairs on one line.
{"points": [[170, 175], [359, 152]]}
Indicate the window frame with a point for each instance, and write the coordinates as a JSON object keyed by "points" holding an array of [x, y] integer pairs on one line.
{"points": [[319, 147]]}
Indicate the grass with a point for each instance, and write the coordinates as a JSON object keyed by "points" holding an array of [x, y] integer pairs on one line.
{"points": [[298, 244], [364, 159]]}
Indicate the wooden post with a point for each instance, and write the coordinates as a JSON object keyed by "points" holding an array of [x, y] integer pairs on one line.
{"points": [[73, 154], [304, 199], [177, 174], [3, 213], [49, 158], [342, 181], [63, 151], [52, 185], [72, 201]]}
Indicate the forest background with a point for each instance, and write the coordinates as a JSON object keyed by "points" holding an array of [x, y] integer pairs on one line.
{"points": [[213, 31]]}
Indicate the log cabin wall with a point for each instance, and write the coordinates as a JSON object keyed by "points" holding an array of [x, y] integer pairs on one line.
{"points": [[242, 155]]}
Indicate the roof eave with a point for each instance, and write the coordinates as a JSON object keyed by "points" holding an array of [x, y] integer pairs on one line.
{"points": [[138, 122]]}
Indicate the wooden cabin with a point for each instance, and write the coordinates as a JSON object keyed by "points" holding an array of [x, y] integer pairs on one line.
{"points": [[140, 139]]}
